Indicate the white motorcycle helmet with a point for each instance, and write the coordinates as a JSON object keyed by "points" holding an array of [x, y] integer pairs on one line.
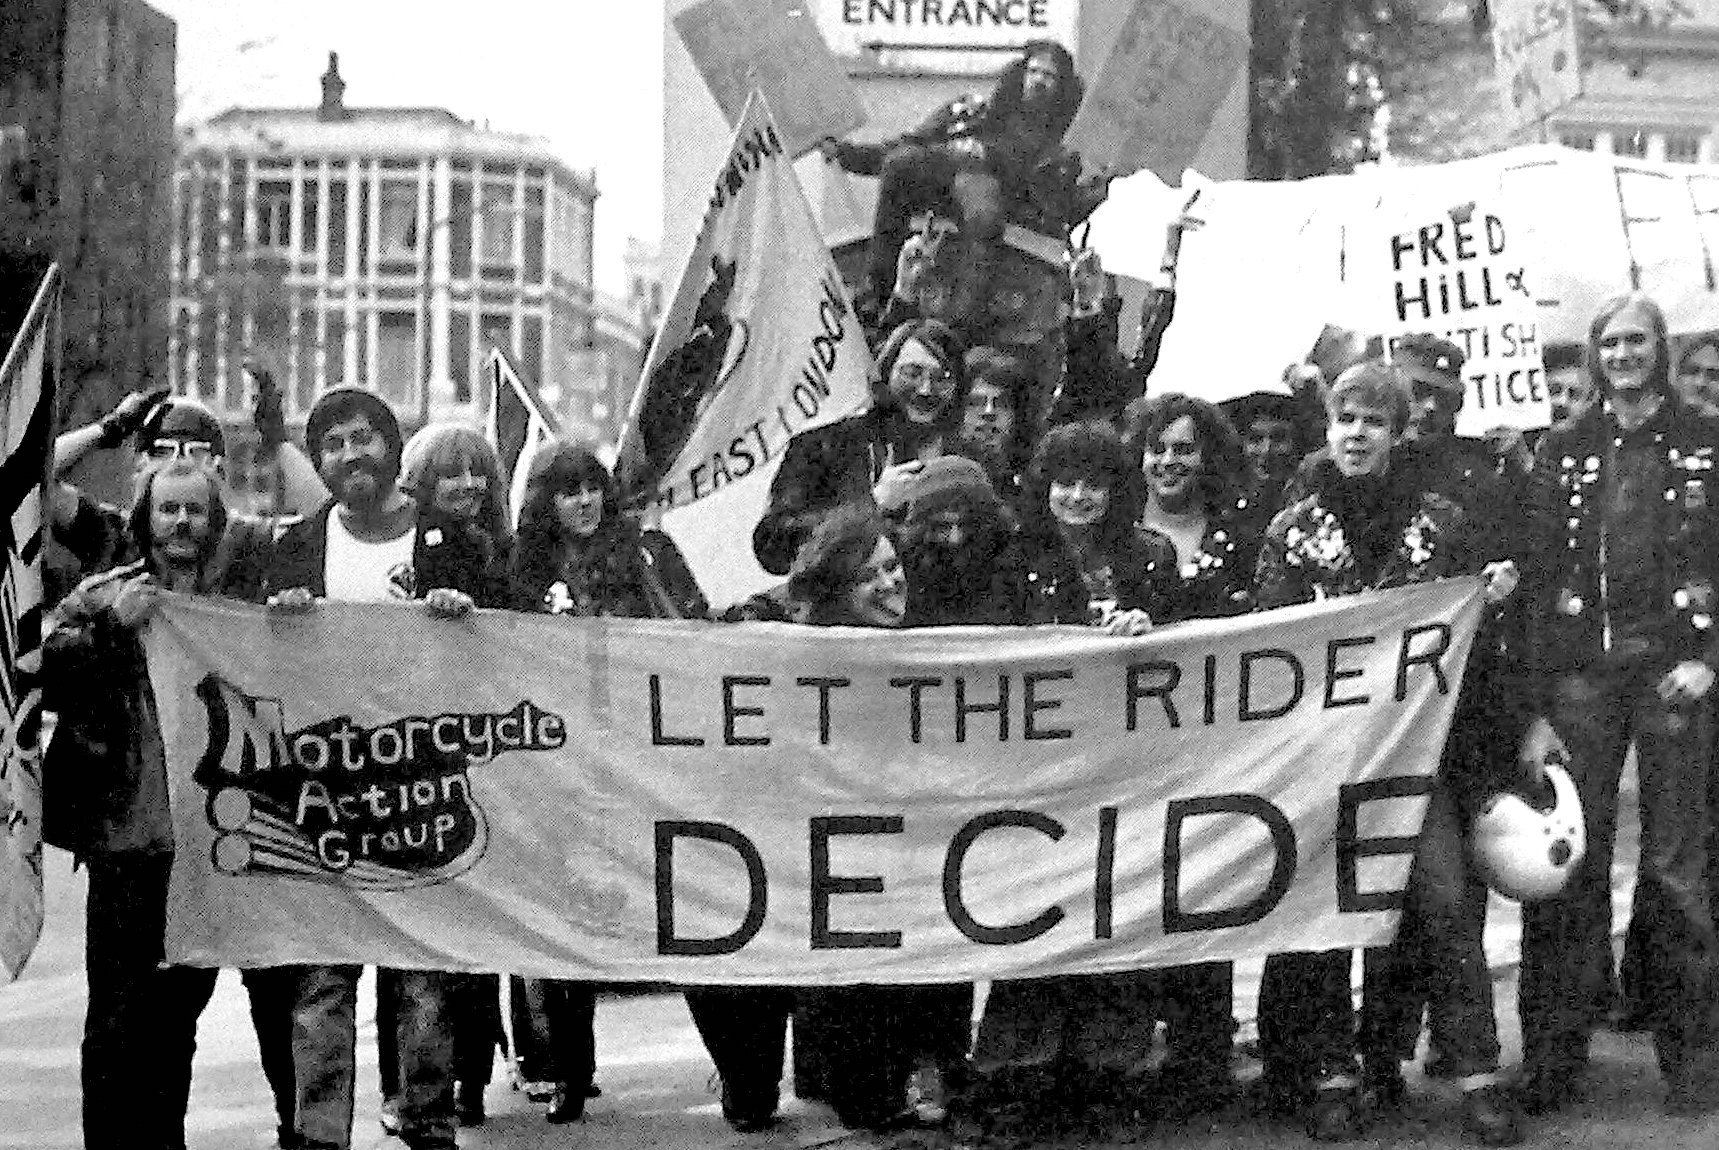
{"points": [[1527, 849]]}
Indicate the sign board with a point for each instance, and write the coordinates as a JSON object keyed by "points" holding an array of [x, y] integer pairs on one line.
{"points": [[854, 26], [1153, 99], [1534, 52], [1460, 273], [742, 45]]}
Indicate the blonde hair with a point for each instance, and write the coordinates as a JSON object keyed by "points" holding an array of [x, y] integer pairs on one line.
{"points": [[439, 450]]}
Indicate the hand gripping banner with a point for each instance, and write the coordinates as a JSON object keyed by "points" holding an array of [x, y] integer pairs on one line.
{"points": [[684, 802]]}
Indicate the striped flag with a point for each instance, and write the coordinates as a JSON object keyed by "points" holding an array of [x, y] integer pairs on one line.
{"points": [[26, 448], [518, 424]]}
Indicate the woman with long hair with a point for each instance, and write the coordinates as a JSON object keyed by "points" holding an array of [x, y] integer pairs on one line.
{"points": [[580, 555]]}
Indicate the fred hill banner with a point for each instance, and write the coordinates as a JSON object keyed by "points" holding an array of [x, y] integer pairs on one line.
{"points": [[669, 801]]}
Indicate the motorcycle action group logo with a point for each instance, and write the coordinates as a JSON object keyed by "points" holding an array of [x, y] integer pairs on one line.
{"points": [[387, 807]]}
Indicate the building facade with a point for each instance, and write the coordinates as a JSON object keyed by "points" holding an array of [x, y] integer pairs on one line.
{"points": [[381, 248], [1650, 92]]}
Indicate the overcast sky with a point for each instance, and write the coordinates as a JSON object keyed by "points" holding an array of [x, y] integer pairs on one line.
{"points": [[587, 74]]}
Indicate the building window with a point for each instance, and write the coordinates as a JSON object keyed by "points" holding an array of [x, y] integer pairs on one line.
{"points": [[334, 349], [363, 236], [460, 228], [237, 239], [1630, 142], [308, 217], [1582, 141], [497, 220], [531, 349], [274, 214], [460, 356], [397, 356], [399, 222], [337, 226], [534, 234], [1681, 148]]}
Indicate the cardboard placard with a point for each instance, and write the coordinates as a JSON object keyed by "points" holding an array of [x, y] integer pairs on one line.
{"points": [[744, 45]]}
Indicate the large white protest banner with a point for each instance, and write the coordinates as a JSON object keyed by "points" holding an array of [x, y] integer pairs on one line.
{"points": [[759, 344], [769, 803], [1278, 261], [766, 45], [1535, 56], [1153, 98], [27, 378], [1460, 272]]}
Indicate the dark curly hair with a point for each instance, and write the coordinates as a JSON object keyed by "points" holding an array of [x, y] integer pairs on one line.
{"points": [[612, 552], [1223, 468], [1091, 449]]}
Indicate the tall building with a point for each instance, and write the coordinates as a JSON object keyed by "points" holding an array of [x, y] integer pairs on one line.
{"points": [[86, 163], [379, 248], [1649, 91]]}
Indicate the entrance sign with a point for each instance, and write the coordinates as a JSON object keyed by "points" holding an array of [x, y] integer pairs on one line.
{"points": [[644, 800]]}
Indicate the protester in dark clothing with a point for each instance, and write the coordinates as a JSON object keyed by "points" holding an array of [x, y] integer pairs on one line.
{"points": [[1084, 562], [1623, 641], [958, 548], [106, 801], [1275, 435], [979, 154], [997, 425], [887, 1050], [1366, 523], [1050, 1047], [1191, 459], [918, 396], [1437, 963]]}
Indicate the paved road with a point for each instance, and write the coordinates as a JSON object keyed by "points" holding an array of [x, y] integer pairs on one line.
{"points": [[654, 1075]]}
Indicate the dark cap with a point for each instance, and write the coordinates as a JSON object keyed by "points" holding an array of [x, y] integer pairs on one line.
{"points": [[1430, 353], [345, 403], [182, 419]]}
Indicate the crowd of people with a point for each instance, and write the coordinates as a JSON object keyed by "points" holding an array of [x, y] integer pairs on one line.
{"points": [[970, 493]]}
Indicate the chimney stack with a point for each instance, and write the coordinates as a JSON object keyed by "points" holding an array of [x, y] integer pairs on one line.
{"points": [[333, 90]]}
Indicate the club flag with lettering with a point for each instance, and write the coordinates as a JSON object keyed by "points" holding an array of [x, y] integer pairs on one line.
{"points": [[27, 380], [656, 800], [517, 424]]}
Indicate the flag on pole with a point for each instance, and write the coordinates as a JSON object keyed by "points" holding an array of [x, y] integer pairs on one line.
{"points": [[26, 448], [518, 424], [759, 344]]}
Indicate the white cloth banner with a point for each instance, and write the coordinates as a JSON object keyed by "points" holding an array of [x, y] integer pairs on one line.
{"points": [[759, 344], [768, 803], [1277, 261]]}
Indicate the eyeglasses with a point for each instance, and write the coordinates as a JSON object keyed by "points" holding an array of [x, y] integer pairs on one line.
{"points": [[917, 373], [196, 450]]}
